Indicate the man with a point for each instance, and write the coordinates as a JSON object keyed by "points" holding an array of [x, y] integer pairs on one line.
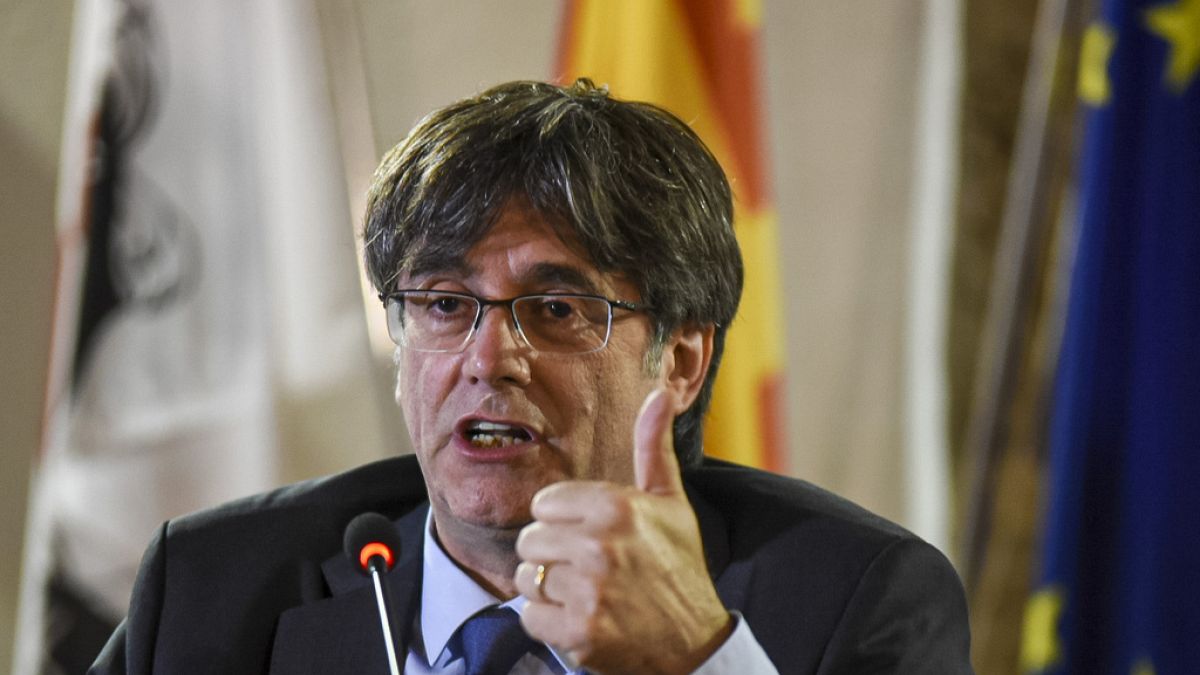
{"points": [[559, 270]]}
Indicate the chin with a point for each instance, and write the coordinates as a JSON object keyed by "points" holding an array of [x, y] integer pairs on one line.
{"points": [[479, 511]]}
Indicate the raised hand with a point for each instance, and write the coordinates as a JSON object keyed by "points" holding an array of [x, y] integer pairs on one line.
{"points": [[624, 584]]}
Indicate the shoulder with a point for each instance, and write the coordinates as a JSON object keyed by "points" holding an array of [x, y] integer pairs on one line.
{"points": [[758, 501], [788, 553], [213, 583], [293, 519], [769, 515], [386, 485]]}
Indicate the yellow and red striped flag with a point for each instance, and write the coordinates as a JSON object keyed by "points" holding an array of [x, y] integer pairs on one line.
{"points": [[699, 59]]}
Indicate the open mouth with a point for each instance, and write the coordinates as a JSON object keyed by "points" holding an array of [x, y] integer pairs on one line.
{"points": [[482, 434]]}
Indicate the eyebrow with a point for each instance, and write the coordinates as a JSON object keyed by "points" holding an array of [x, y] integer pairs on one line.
{"points": [[541, 274], [440, 265], [565, 275]]}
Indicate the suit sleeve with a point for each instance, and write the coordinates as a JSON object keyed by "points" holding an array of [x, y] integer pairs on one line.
{"points": [[907, 615], [130, 650]]}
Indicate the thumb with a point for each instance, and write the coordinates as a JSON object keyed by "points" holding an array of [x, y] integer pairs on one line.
{"points": [[655, 467]]}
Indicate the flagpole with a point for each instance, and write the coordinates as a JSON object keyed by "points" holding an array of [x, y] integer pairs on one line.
{"points": [[1024, 231]]}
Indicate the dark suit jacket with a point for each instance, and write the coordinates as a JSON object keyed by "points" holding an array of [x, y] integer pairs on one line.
{"points": [[260, 585]]}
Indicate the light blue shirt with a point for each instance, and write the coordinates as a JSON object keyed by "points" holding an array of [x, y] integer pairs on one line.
{"points": [[449, 597]]}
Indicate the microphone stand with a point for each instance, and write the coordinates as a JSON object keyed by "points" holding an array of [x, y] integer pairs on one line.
{"points": [[383, 616]]}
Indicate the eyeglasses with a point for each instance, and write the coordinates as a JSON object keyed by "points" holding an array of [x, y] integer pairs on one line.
{"points": [[555, 323]]}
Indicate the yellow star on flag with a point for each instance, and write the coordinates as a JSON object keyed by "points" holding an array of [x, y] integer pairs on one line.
{"points": [[1094, 53], [1040, 645], [1142, 667], [1179, 25]]}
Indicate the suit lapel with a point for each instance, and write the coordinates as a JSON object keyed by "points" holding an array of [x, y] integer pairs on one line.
{"points": [[341, 633], [731, 577]]}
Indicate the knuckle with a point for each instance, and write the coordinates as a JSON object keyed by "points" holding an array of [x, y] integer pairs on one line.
{"points": [[524, 573], [526, 540], [616, 511], [605, 556], [593, 551], [624, 513]]}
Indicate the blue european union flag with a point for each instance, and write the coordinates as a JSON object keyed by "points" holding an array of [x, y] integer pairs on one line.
{"points": [[1119, 589]]}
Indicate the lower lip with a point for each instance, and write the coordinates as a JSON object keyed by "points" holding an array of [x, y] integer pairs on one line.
{"points": [[497, 455]]}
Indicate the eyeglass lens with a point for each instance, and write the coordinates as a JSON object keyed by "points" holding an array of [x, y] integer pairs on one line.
{"points": [[443, 322]]}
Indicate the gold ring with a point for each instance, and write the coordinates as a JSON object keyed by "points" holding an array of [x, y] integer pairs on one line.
{"points": [[539, 578]]}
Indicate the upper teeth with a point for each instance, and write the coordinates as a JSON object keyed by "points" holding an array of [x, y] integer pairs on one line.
{"points": [[491, 426], [492, 434]]}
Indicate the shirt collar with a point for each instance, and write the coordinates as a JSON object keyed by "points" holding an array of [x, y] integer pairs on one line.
{"points": [[448, 596], [453, 598]]}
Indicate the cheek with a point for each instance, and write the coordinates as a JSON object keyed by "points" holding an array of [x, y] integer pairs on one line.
{"points": [[568, 397], [398, 362], [620, 390], [421, 385], [405, 396]]}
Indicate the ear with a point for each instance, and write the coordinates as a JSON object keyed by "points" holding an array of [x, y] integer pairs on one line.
{"points": [[686, 356]]}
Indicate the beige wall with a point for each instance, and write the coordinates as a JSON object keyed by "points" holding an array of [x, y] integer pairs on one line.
{"points": [[33, 68], [840, 93]]}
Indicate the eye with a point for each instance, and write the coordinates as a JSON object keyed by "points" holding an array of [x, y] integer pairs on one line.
{"points": [[440, 307], [446, 304], [558, 309]]}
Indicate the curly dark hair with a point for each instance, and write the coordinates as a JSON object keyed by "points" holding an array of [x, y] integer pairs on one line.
{"points": [[628, 184]]}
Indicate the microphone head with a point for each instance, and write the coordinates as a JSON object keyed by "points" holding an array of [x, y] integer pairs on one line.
{"points": [[368, 536]]}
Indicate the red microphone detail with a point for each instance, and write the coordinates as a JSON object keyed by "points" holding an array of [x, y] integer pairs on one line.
{"points": [[373, 549], [371, 542]]}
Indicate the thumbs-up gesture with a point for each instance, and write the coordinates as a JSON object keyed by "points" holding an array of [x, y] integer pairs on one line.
{"points": [[615, 574]]}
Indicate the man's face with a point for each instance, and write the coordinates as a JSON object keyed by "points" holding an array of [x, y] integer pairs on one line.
{"points": [[566, 417]]}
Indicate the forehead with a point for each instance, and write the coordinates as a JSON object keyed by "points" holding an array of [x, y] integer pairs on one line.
{"points": [[524, 251]]}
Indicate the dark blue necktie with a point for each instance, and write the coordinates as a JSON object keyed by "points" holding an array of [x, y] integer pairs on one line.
{"points": [[493, 641]]}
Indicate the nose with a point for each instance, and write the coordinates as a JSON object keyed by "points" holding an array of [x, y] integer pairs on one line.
{"points": [[497, 355]]}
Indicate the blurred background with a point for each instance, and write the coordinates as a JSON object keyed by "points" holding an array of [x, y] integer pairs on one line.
{"points": [[184, 322]]}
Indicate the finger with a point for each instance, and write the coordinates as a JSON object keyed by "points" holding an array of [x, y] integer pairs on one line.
{"points": [[656, 470], [525, 579], [562, 584], [541, 542]]}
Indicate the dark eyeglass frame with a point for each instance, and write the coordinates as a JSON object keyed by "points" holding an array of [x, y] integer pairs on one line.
{"points": [[481, 305]]}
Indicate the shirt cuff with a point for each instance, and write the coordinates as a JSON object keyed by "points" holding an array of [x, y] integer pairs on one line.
{"points": [[740, 654]]}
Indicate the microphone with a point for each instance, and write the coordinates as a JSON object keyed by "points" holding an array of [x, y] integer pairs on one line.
{"points": [[373, 546]]}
